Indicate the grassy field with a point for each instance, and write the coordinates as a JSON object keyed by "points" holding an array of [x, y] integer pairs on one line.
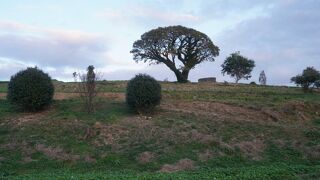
{"points": [[200, 131]]}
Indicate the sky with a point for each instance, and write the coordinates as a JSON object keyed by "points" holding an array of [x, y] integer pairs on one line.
{"points": [[64, 36]]}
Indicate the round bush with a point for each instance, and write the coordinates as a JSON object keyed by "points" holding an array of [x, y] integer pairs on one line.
{"points": [[30, 89], [143, 93]]}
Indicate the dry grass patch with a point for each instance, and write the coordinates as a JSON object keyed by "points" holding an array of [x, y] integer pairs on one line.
{"points": [[206, 155], [145, 157], [252, 149], [27, 118], [181, 165], [217, 110], [56, 153]]}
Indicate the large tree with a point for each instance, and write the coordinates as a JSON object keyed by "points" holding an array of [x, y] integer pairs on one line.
{"points": [[178, 47], [238, 66]]}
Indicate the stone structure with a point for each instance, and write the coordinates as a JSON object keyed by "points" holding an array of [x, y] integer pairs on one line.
{"points": [[208, 79]]}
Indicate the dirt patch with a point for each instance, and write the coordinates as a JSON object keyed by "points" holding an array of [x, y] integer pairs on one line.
{"points": [[27, 159], [218, 111], [181, 165], [61, 96], [114, 96], [195, 136], [56, 153], [206, 155], [89, 159], [130, 132], [28, 118], [294, 106], [145, 157], [3, 95], [273, 115], [110, 134], [252, 149], [300, 111]]}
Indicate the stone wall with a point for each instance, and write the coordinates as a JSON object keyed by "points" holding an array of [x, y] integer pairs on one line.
{"points": [[208, 79]]}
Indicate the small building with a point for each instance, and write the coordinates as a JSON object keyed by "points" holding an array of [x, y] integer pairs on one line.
{"points": [[207, 79]]}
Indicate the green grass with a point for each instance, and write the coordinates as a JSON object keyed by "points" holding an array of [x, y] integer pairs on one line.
{"points": [[106, 111], [276, 171], [5, 108], [255, 97], [288, 151], [3, 86]]}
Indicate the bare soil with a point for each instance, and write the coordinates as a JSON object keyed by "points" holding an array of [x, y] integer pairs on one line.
{"points": [[56, 153], [145, 157], [292, 111], [27, 118], [181, 165], [253, 149], [3, 95]]}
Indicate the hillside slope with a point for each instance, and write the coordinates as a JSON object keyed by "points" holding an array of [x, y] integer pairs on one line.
{"points": [[199, 131]]}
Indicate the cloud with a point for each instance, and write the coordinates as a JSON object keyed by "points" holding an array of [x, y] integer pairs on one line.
{"points": [[50, 47], [149, 16], [8, 67], [282, 43]]}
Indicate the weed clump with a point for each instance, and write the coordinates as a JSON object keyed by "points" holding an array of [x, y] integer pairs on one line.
{"points": [[143, 93], [30, 89]]}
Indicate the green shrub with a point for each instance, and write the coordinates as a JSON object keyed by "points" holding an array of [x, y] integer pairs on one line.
{"points": [[308, 79], [143, 93], [253, 83], [30, 89]]}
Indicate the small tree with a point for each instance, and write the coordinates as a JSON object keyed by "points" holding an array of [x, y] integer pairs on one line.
{"points": [[237, 66], [87, 87], [263, 78], [308, 79]]}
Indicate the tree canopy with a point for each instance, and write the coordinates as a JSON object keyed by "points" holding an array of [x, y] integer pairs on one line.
{"points": [[309, 78], [178, 47], [238, 66]]}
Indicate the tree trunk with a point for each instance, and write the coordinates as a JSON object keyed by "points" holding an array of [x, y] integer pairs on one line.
{"points": [[237, 79], [185, 74], [182, 77]]}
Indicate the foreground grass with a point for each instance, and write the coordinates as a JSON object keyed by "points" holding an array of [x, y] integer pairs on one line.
{"points": [[276, 171], [65, 142]]}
